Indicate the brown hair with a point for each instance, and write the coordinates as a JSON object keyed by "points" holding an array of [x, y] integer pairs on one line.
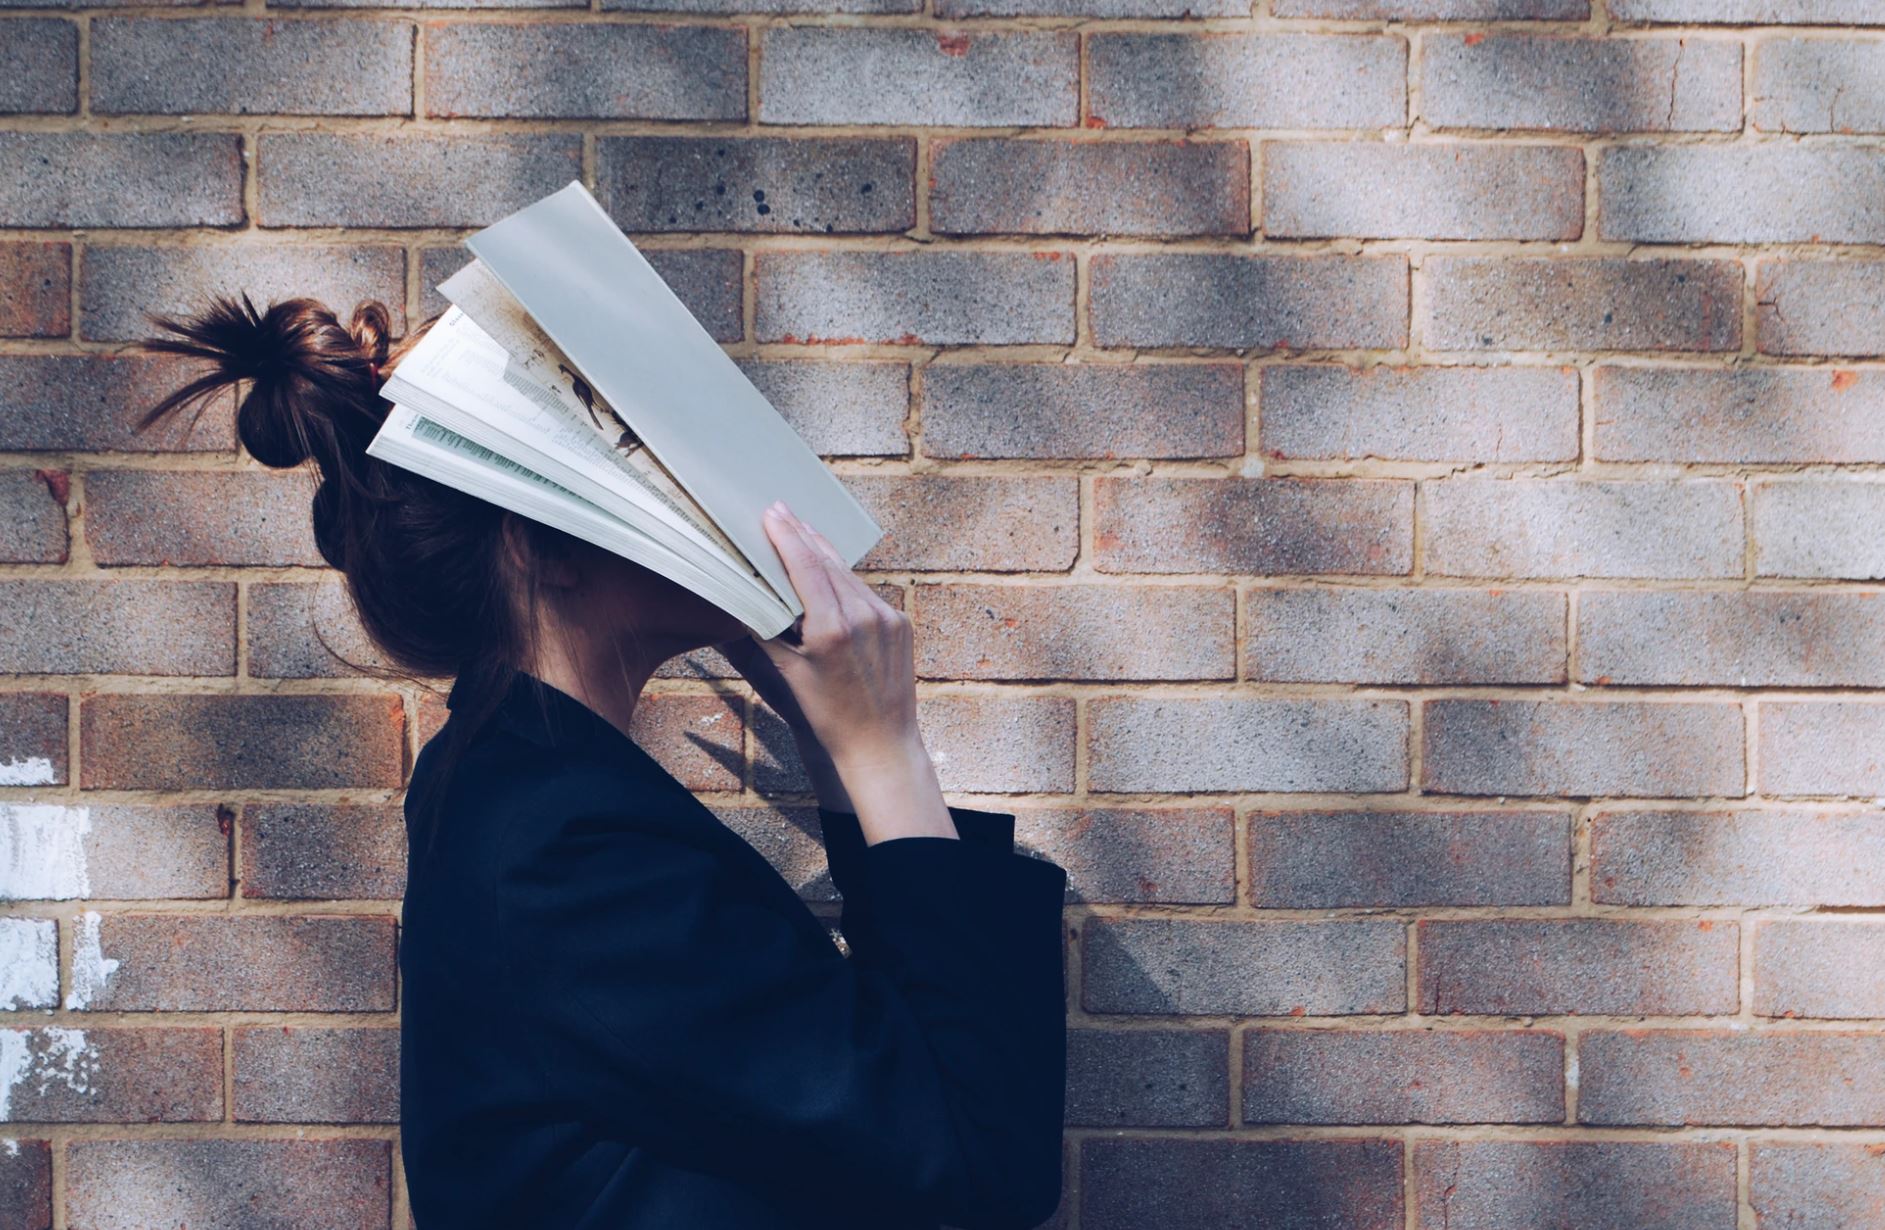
{"points": [[443, 582]]}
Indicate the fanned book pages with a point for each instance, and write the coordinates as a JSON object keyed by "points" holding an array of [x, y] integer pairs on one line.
{"points": [[568, 383]]}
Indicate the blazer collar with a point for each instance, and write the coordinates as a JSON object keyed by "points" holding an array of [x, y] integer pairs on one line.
{"points": [[545, 714]]}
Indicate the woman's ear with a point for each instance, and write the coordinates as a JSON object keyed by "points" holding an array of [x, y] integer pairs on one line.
{"points": [[554, 558]]}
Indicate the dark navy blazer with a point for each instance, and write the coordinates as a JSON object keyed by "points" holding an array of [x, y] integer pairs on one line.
{"points": [[618, 1015]]}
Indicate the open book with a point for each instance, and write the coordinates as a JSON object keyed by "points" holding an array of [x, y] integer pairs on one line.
{"points": [[568, 383]]}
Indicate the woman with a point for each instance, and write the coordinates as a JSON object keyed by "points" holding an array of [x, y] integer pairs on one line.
{"points": [[615, 1013]]}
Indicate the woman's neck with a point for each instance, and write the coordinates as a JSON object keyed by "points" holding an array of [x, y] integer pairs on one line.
{"points": [[608, 677]]}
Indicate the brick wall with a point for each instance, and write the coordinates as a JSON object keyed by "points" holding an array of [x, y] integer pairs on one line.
{"points": [[1389, 491]]}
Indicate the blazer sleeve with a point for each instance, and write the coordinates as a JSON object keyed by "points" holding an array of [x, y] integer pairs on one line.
{"points": [[673, 1002]]}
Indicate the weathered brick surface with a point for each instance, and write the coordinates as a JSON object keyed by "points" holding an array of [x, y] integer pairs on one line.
{"points": [[1491, 1184], [35, 289], [121, 627], [1579, 967], [1798, 639], [819, 185], [1818, 528], [1819, 85], [1308, 860], [611, 71], [1000, 186], [116, 851], [1085, 410], [120, 179], [267, 963], [1000, 744], [288, 1074], [1246, 81], [1344, 635], [1819, 969], [1403, 1076], [322, 851], [330, 179], [229, 742], [1235, 744], [1435, 10], [92, 401], [1820, 307], [1834, 1185], [32, 516], [1598, 303], [1821, 747], [1459, 414], [1577, 748], [307, 631], [1567, 528], [1255, 526], [1766, 856], [1766, 12], [1239, 302], [914, 297], [1741, 194], [66, 1075], [958, 78], [43, 56], [1070, 631], [1771, 415], [32, 738], [25, 1184], [122, 1184], [1452, 191], [973, 523], [1693, 1076], [1176, 967], [1148, 1077], [200, 517], [853, 408], [240, 66], [118, 283], [1144, 855], [32, 948], [1525, 81], [1129, 1182]]}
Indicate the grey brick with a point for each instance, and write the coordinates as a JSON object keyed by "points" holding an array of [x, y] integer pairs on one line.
{"points": [[1575, 749], [1234, 80], [1819, 528], [91, 401], [1193, 1183], [1435, 10], [322, 851], [1173, 966], [821, 185], [1578, 966], [997, 185], [840, 409], [115, 1075], [585, 70], [1693, 1077], [1742, 194], [860, 75], [427, 4], [1814, 1184], [988, 523], [119, 283], [1403, 636], [32, 516], [242, 66], [1315, 860], [1820, 307], [1580, 303], [1147, 855], [201, 517], [32, 739], [1238, 302], [112, 1184], [926, 297], [1241, 744], [296, 629], [118, 627], [35, 289], [127, 851], [1454, 191], [763, 6], [1742, 415], [1403, 1076], [1508, 81], [1819, 85], [1770, 856], [1147, 1077], [1077, 631], [1053, 410], [1498, 1184], [308, 1074], [1740, 639], [1825, 968], [1457, 414], [361, 179], [1821, 748], [1557, 528], [1253, 525], [120, 179], [950, 10], [42, 57], [1753, 12]]}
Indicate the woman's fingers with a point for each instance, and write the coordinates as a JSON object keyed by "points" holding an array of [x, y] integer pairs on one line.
{"points": [[805, 566], [854, 597]]}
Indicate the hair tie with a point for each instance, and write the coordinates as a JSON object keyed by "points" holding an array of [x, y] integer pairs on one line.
{"points": [[374, 368]]}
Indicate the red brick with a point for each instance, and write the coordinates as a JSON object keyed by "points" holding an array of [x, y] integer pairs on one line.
{"points": [[1772, 856], [1836, 1185], [1073, 632], [1579, 967], [32, 516], [1311, 860], [246, 963], [1638, 1184], [1403, 1076], [1461, 414], [980, 524], [1766, 415], [313, 851], [25, 1184], [90, 402], [1171, 1181], [1819, 968], [32, 739], [292, 1074], [1822, 747], [117, 1076], [115, 851], [250, 742], [1238, 743], [336, 1184], [1695, 1077], [698, 738], [1348, 635], [1253, 525], [1000, 185], [201, 517], [1583, 748], [118, 627], [35, 289], [1181, 967], [1075, 410], [1143, 855], [1148, 1077], [1465, 190]]}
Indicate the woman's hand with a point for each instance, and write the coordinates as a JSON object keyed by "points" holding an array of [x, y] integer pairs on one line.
{"points": [[757, 669], [851, 677]]}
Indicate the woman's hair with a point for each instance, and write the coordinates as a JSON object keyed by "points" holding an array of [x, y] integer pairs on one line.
{"points": [[443, 582]]}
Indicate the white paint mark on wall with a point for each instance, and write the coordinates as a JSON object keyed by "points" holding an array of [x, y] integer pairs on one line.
{"points": [[9, 1146], [62, 1055], [29, 963], [42, 851], [90, 966], [32, 771]]}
